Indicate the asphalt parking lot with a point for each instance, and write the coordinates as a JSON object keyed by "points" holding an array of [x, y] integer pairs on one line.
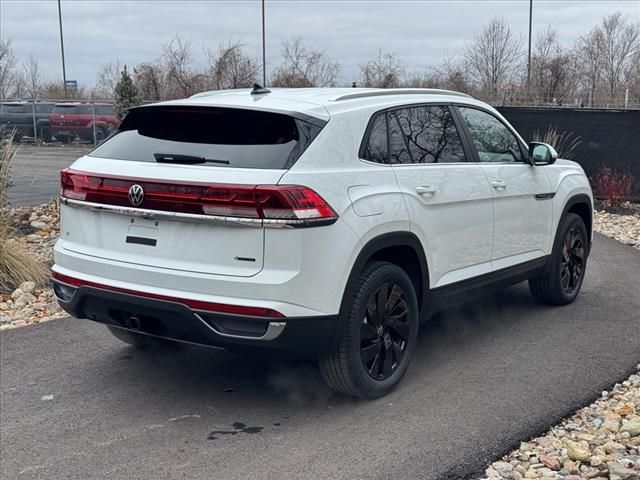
{"points": [[35, 172], [78, 404]]}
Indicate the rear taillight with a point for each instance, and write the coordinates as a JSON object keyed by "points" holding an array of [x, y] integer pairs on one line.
{"points": [[291, 205]]}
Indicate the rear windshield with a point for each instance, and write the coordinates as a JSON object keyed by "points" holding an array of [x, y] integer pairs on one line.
{"points": [[226, 137], [73, 109]]}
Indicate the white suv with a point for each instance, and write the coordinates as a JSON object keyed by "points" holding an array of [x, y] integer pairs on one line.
{"points": [[317, 222]]}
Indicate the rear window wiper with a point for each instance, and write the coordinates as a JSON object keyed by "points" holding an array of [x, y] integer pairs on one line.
{"points": [[187, 159]]}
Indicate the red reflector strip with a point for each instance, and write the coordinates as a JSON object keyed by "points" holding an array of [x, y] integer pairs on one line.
{"points": [[195, 304]]}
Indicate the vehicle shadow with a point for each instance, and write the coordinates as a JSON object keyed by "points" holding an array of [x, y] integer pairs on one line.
{"points": [[200, 374]]}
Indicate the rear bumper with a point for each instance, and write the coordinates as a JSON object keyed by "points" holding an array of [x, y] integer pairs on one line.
{"points": [[300, 336]]}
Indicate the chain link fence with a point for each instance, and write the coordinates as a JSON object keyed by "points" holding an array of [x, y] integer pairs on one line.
{"points": [[58, 121], [625, 100]]}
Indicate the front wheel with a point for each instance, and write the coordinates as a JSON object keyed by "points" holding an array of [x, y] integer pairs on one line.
{"points": [[45, 134], [101, 134], [381, 328], [567, 264]]}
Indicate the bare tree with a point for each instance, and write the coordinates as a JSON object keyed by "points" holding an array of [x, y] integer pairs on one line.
{"points": [[7, 66], [107, 79], [55, 90], [302, 67], [386, 70], [177, 58], [633, 79], [149, 78], [32, 78], [494, 56], [231, 67], [453, 75], [553, 70], [620, 43], [589, 50], [429, 79]]}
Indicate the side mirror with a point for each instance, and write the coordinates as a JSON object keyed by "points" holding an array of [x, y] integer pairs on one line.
{"points": [[542, 154]]}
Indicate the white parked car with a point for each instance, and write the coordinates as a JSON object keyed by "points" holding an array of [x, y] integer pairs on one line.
{"points": [[316, 222]]}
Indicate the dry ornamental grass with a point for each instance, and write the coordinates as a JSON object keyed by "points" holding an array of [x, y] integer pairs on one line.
{"points": [[16, 266]]}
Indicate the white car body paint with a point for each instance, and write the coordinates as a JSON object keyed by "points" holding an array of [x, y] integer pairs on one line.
{"points": [[466, 227]]}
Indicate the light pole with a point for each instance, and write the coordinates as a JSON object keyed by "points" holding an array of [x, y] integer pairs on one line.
{"points": [[264, 51], [529, 55], [64, 72]]}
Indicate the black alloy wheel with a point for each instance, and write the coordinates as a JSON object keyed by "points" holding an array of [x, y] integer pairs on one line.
{"points": [[573, 261], [566, 267], [384, 333], [378, 333]]}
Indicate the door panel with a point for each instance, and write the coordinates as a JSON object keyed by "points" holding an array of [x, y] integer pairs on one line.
{"points": [[455, 222], [449, 201], [522, 223]]}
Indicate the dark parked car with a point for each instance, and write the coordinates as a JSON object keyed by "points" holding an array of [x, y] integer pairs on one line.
{"points": [[19, 116], [76, 119]]}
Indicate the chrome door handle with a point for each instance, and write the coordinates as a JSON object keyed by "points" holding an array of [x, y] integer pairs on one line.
{"points": [[499, 185], [426, 190]]}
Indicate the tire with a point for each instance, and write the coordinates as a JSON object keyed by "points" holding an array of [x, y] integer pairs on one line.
{"points": [[138, 340], [566, 266], [362, 364], [45, 134], [101, 134]]}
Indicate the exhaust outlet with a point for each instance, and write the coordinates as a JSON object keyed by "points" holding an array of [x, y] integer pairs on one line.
{"points": [[133, 322]]}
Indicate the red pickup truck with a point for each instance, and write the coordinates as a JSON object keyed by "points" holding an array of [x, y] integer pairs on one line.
{"points": [[76, 119]]}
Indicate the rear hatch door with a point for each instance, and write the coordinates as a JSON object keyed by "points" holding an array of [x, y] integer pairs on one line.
{"points": [[196, 168]]}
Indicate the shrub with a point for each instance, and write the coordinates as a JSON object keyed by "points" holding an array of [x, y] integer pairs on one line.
{"points": [[16, 265], [565, 143], [614, 187]]}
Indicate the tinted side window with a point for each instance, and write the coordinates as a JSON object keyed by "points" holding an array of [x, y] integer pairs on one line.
{"points": [[493, 140], [105, 110], [429, 134], [376, 148], [398, 149], [44, 108]]}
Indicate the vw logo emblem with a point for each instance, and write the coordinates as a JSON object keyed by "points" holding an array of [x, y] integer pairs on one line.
{"points": [[136, 195]]}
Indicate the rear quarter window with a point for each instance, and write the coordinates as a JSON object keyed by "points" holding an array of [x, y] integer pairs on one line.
{"points": [[230, 137]]}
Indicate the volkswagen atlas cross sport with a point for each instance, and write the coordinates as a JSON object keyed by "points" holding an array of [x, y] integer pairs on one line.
{"points": [[325, 223]]}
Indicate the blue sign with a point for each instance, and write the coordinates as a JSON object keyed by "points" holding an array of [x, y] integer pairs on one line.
{"points": [[72, 84]]}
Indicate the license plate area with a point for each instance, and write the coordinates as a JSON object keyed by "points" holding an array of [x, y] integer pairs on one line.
{"points": [[202, 247]]}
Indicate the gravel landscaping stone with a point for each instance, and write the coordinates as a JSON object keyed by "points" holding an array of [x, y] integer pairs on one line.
{"points": [[624, 228], [36, 230], [600, 441]]}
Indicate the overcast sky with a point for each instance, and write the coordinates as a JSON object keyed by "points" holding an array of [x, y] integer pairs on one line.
{"points": [[422, 32]]}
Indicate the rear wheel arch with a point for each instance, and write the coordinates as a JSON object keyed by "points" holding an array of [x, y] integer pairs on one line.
{"points": [[403, 249]]}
